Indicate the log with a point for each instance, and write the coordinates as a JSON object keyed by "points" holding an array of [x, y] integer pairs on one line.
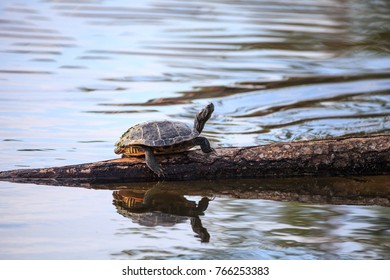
{"points": [[363, 155]]}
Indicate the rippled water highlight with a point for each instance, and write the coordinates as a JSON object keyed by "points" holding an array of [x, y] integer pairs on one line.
{"points": [[75, 75]]}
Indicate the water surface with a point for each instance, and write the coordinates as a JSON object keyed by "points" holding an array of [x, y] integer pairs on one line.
{"points": [[78, 223], [76, 74]]}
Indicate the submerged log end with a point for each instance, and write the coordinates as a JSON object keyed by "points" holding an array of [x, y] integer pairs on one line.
{"points": [[110, 170]]}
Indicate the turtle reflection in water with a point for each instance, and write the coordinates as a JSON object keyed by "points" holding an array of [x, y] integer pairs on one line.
{"points": [[161, 207], [164, 137]]}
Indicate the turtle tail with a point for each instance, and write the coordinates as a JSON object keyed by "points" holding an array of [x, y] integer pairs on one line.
{"points": [[202, 117], [118, 150]]}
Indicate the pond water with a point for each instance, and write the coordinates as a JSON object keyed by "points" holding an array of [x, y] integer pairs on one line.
{"points": [[45, 222], [76, 74]]}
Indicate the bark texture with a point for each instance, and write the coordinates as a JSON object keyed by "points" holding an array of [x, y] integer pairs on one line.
{"points": [[366, 155]]}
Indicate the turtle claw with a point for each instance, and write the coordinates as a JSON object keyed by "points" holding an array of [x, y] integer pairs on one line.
{"points": [[152, 163], [160, 172]]}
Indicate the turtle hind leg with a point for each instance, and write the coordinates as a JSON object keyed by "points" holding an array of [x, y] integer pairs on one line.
{"points": [[152, 163], [203, 143]]}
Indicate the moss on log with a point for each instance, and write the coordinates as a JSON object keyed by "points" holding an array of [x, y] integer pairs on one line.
{"points": [[365, 155]]}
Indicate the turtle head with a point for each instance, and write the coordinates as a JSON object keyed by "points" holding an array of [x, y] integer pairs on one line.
{"points": [[203, 116]]}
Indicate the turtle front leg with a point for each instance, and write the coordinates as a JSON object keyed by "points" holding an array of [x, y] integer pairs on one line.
{"points": [[152, 163], [203, 143]]}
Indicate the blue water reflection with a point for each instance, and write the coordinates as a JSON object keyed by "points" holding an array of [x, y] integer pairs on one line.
{"points": [[76, 223]]}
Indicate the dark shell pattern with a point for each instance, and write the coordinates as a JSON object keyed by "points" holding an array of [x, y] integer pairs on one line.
{"points": [[157, 134]]}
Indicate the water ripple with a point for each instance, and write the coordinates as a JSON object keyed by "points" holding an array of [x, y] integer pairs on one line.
{"points": [[276, 70]]}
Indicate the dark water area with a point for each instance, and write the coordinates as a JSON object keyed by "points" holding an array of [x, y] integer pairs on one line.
{"points": [[74, 75]]}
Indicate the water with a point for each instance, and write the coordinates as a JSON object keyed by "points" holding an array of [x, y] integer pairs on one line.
{"points": [[44, 222], [75, 74]]}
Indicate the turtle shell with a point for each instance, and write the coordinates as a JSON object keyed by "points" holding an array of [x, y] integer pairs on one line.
{"points": [[157, 134]]}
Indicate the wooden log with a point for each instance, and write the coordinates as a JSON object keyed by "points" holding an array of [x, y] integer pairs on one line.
{"points": [[364, 155]]}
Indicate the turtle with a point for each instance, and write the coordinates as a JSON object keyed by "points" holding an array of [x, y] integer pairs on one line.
{"points": [[164, 137]]}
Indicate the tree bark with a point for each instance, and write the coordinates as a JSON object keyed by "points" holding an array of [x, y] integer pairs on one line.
{"points": [[365, 155]]}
